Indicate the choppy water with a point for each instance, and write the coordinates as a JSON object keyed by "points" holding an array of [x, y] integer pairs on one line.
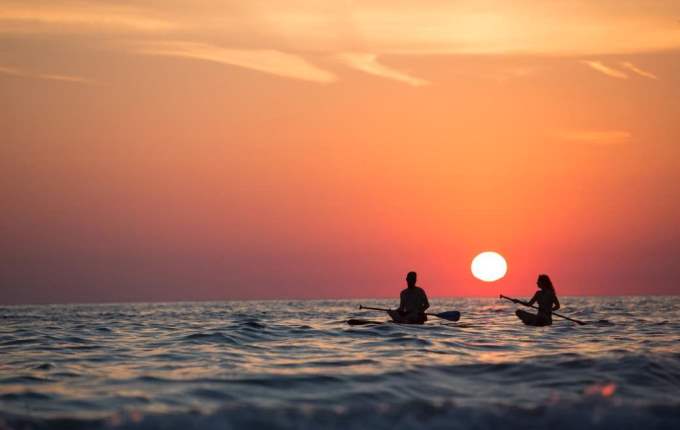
{"points": [[281, 364]]}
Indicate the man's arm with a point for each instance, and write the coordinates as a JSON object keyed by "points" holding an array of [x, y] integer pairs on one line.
{"points": [[426, 303], [402, 305]]}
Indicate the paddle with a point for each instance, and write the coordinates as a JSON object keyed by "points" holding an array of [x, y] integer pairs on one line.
{"points": [[536, 307], [449, 316]]}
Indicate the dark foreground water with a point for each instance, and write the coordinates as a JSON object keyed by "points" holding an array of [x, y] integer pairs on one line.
{"points": [[282, 364]]}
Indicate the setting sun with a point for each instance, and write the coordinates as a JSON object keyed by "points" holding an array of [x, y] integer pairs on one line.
{"points": [[489, 266]]}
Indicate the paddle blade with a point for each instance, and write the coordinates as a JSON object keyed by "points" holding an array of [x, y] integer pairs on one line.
{"points": [[450, 315]]}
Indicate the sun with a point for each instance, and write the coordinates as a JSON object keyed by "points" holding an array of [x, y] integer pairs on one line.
{"points": [[489, 266]]}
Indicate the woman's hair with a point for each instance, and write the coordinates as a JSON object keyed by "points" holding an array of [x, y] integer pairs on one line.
{"points": [[545, 282]]}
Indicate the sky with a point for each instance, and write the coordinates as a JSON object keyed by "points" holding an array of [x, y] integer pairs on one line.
{"points": [[214, 150]]}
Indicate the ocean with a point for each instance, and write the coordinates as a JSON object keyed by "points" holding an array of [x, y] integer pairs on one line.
{"points": [[298, 365]]}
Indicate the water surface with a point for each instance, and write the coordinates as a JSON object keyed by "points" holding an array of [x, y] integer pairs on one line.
{"points": [[296, 364]]}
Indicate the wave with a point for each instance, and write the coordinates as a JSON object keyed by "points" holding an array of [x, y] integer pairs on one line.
{"points": [[299, 365], [216, 337], [591, 413]]}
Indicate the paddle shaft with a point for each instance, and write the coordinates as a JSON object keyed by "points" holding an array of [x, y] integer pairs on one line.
{"points": [[383, 309], [536, 307]]}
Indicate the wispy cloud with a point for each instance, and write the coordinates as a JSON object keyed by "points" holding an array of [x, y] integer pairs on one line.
{"points": [[369, 63], [638, 71], [599, 137], [264, 32], [379, 26], [606, 70], [263, 60], [13, 71], [77, 17], [10, 71]]}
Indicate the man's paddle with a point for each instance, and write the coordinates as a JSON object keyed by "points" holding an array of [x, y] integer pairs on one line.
{"points": [[449, 316], [536, 307]]}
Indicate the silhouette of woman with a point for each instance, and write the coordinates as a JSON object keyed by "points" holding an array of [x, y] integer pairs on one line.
{"points": [[547, 303]]}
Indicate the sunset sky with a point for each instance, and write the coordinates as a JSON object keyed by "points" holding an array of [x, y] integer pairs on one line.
{"points": [[161, 150]]}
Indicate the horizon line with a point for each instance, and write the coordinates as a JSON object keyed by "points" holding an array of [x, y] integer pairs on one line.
{"points": [[306, 299]]}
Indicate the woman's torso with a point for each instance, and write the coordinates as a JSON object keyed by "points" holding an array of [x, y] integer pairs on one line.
{"points": [[545, 300]]}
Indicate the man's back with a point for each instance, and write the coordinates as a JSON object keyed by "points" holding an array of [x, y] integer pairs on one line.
{"points": [[412, 304], [413, 300]]}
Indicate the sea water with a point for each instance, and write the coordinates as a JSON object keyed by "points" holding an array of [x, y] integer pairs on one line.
{"points": [[297, 364]]}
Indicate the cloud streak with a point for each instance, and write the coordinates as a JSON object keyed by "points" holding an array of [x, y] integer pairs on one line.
{"points": [[638, 71], [270, 36], [380, 26], [262, 60], [13, 71], [598, 137], [79, 17], [368, 63], [605, 70]]}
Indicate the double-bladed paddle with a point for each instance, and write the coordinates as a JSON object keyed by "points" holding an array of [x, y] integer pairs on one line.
{"points": [[449, 315], [536, 307]]}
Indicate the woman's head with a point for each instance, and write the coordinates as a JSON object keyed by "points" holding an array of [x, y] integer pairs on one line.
{"points": [[544, 282]]}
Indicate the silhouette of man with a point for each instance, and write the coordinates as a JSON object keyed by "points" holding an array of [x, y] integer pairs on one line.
{"points": [[412, 304]]}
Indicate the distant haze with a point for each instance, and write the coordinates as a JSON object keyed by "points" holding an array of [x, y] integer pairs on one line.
{"points": [[209, 150]]}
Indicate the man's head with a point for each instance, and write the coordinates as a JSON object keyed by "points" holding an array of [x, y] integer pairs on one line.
{"points": [[411, 279]]}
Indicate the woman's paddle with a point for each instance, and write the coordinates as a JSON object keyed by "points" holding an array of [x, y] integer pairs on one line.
{"points": [[449, 316], [536, 307]]}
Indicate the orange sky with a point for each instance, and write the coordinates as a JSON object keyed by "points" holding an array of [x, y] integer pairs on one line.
{"points": [[170, 150]]}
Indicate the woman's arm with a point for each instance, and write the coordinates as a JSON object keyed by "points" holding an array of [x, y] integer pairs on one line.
{"points": [[556, 305], [532, 301]]}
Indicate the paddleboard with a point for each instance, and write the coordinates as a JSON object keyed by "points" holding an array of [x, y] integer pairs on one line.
{"points": [[363, 322], [529, 319]]}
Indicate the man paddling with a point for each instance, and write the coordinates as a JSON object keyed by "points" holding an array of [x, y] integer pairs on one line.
{"points": [[412, 304]]}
